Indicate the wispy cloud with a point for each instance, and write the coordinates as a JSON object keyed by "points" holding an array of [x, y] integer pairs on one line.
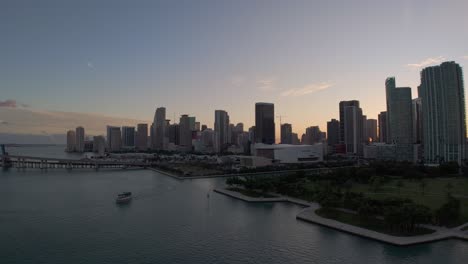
{"points": [[308, 89], [266, 84], [237, 80], [426, 62], [90, 65], [8, 103]]}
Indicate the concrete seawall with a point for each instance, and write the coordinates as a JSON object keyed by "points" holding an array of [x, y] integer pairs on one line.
{"points": [[308, 215]]}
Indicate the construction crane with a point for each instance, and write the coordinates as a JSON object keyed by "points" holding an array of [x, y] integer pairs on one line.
{"points": [[280, 118]]}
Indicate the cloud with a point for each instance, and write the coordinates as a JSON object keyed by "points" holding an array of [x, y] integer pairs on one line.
{"points": [[8, 103], [308, 89], [237, 80], [90, 65], [426, 62], [40, 122], [465, 57], [266, 84]]}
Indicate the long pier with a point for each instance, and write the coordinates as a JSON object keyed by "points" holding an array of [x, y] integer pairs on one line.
{"points": [[22, 162]]}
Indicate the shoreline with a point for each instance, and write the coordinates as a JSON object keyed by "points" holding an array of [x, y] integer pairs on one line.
{"points": [[308, 215]]}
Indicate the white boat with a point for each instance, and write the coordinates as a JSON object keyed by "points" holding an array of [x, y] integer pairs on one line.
{"points": [[124, 197]]}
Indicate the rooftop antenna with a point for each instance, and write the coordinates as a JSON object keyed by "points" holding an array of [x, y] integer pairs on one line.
{"points": [[280, 117]]}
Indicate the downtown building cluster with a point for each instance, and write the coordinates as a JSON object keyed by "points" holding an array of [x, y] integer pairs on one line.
{"points": [[429, 128]]}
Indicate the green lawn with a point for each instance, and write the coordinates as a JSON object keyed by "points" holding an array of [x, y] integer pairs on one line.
{"points": [[371, 224], [435, 192]]}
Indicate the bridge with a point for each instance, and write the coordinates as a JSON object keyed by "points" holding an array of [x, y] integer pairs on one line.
{"points": [[20, 162]]}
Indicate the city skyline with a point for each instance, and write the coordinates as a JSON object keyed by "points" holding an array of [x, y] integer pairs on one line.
{"points": [[293, 58]]}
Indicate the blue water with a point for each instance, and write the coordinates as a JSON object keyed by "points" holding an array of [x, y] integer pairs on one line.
{"points": [[70, 217]]}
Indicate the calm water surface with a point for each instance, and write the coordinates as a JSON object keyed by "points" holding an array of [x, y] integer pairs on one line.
{"points": [[70, 217]]}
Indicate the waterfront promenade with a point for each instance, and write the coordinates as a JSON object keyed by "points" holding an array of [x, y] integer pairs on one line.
{"points": [[308, 215]]}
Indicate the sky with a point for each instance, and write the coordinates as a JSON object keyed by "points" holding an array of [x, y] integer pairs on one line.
{"points": [[123, 59]]}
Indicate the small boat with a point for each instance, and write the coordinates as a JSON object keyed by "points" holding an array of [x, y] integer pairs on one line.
{"points": [[124, 197]]}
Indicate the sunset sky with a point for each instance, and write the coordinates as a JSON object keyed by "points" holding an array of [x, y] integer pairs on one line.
{"points": [[125, 58]]}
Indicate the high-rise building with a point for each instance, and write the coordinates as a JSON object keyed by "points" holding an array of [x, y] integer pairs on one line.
{"points": [[221, 130], [174, 134], [399, 114], [197, 126], [351, 127], [114, 138], [343, 105], [295, 139], [128, 136], [371, 130], [80, 139], [399, 120], [383, 127], [142, 137], [192, 123], [203, 127], [286, 133], [159, 125], [417, 121], [313, 135], [352, 121], [99, 145], [333, 130], [265, 123], [185, 133], [443, 109], [71, 140]]}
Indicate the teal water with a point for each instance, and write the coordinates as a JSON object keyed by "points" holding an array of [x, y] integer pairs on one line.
{"points": [[70, 217]]}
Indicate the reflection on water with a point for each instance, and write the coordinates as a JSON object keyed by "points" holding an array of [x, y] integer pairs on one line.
{"points": [[63, 216]]}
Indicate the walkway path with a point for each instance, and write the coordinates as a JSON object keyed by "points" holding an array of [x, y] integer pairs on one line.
{"points": [[308, 214]]}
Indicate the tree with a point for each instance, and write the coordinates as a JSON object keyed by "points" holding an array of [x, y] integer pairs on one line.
{"points": [[376, 182], [449, 187], [449, 213], [422, 186], [399, 185]]}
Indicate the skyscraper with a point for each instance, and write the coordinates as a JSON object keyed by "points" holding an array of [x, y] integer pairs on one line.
{"points": [[185, 133], [286, 133], [351, 126], [383, 127], [399, 120], [443, 108], [417, 121], [265, 123], [159, 127], [174, 134], [399, 113], [333, 131], [71, 140], [80, 139], [313, 135], [99, 145], [343, 105], [221, 130], [114, 138], [128, 136], [371, 130], [142, 137]]}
